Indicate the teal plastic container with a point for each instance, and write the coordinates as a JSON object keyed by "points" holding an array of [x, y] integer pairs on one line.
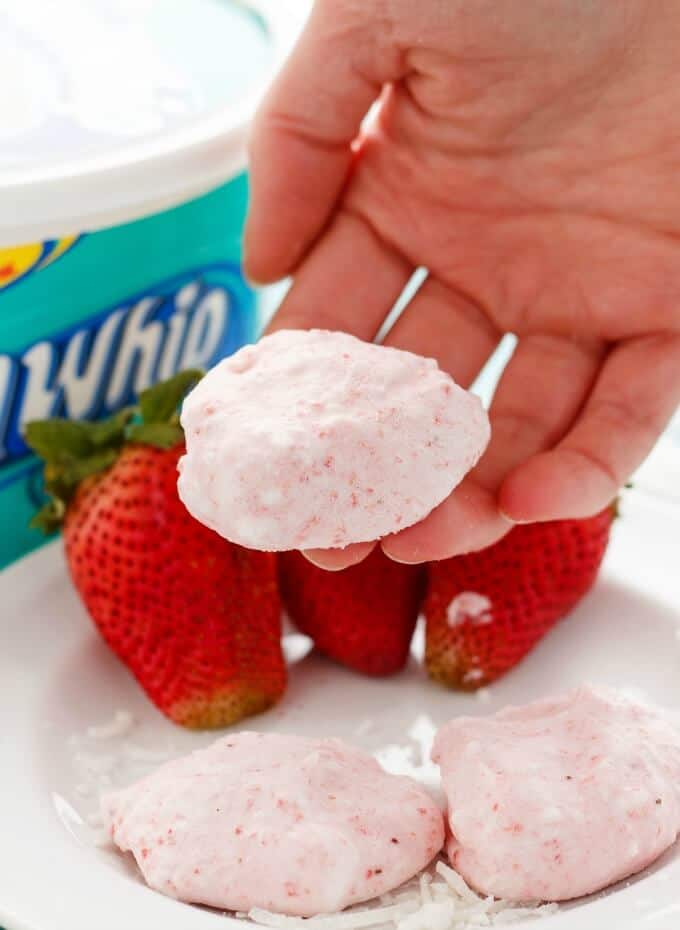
{"points": [[120, 253]]}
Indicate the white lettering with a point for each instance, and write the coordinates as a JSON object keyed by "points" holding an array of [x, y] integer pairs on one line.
{"points": [[208, 325], [100, 368], [8, 377], [187, 296], [49, 382], [137, 355], [169, 362], [81, 391], [39, 399]]}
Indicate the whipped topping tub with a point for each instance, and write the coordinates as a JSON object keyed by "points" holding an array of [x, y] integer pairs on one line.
{"points": [[122, 201]]}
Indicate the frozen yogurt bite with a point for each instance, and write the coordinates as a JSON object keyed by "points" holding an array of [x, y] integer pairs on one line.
{"points": [[562, 797], [296, 826], [318, 440]]}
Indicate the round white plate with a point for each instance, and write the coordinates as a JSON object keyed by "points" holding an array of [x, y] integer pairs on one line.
{"points": [[58, 679]]}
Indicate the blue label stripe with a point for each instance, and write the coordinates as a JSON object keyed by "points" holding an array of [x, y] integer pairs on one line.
{"points": [[190, 320], [34, 466]]}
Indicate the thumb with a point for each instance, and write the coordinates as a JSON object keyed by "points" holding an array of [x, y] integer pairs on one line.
{"points": [[300, 147]]}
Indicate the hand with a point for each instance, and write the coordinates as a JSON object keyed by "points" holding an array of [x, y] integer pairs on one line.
{"points": [[528, 155]]}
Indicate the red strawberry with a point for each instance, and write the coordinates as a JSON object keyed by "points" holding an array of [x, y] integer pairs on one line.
{"points": [[195, 618], [485, 611], [363, 616]]}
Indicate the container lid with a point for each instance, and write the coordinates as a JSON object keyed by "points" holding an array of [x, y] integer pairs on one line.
{"points": [[113, 109]]}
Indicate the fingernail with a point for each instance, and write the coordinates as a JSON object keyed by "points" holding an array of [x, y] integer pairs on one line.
{"points": [[249, 277], [318, 562], [508, 519], [402, 560]]}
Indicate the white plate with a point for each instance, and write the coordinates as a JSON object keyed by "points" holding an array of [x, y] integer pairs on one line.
{"points": [[58, 679]]}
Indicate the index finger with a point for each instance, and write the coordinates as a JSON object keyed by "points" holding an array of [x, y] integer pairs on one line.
{"points": [[300, 148], [636, 394]]}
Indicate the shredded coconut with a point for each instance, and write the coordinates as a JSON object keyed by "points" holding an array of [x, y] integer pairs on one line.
{"points": [[456, 883], [105, 757], [425, 894], [469, 607], [121, 725], [350, 920], [442, 901], [433, 915]]}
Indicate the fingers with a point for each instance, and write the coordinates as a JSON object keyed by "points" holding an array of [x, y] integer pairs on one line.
{"points": [[466, 521], [540, 393], [300, 149], [442, 324], [348, 282], [537, 399], [334, 560], [635, 395]]}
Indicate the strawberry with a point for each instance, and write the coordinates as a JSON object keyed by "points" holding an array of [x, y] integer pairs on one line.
{"points": [[486, 610], [195, 618], [363, 616]]}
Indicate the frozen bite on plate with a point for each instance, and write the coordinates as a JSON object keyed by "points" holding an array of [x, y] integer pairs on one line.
{"points": [[562, 797], [318, 440], [291, 825]]}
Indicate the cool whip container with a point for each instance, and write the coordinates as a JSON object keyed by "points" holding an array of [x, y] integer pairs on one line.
{"points": [[122, 201]]}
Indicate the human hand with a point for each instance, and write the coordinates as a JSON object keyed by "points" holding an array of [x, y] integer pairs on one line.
{"points": [[527, 154]]}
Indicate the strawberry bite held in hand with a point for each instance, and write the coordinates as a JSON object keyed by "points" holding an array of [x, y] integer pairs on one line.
{"points": [[195, 618], [318, 440]]}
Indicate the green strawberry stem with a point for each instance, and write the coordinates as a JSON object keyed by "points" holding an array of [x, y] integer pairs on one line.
{"points": [[75, 450]]}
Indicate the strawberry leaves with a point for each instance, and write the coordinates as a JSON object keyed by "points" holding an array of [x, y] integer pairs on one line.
{"points": [[159, 404], [159, 435], [159, 425], [61, 482], [73, 451], [76, 450], [59, 440]]}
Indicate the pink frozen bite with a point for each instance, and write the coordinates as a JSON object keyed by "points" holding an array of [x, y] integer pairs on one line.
{"points": [[562, 797], [296, 826], [318, 440]]}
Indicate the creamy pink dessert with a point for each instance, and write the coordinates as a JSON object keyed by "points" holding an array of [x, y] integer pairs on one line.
{"points": [[292, 825], [318, 440], [562, 797]]}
